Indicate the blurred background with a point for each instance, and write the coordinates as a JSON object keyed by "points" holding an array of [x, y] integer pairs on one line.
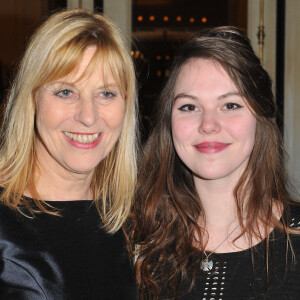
{"points": [[155, 29]]}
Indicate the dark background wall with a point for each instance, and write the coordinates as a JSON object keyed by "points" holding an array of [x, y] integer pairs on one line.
{"points": [[158, 27]]}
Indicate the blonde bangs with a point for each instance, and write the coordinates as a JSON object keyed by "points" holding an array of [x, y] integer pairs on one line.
{"points": [[64, 61]]}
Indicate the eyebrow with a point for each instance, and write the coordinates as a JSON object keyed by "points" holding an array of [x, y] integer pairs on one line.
{"points": [[73, 84], [227, 95], [184, 95]]}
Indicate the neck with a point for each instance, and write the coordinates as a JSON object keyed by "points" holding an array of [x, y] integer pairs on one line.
{"points": [[218, 203], [59, 184], [221, 222], [51, 187]]}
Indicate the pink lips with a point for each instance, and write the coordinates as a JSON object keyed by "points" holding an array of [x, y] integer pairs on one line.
{"points": [[211, 147], [79, 145]]}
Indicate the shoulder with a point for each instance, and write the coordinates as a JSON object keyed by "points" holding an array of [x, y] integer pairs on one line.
{"points": [[17, 282], [8, 212], [8, 217], [22, 261]]}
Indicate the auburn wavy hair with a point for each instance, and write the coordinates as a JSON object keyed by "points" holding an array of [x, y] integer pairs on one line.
{"points": [[167, 206]]}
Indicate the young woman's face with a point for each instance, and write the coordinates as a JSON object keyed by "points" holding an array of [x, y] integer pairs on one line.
{"points": [[78, 122], [213, 129]]}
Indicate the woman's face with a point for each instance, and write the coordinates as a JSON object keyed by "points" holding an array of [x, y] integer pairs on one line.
{"points": [[213, 129], [78, 123]]}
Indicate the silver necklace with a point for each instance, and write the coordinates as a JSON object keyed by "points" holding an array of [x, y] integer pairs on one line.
{"points": [[207, 265]]}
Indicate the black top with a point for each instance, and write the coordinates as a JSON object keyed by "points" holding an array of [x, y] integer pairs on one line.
{"points": [[62, 257], [233, 276]]}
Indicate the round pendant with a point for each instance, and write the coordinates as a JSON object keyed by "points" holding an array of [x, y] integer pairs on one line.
{"points": [[206, 265]]}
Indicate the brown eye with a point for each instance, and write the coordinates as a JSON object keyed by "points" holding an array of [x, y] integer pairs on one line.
{"points": [[231, 106], [187, 107]]}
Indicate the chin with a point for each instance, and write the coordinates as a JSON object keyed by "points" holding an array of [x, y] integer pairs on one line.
{"points": [[81, 169], [219, 173], [211, 174]]}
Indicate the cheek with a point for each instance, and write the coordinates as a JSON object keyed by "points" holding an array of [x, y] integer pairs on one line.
{"points": [[113, 117], [42, 118], [51, 118], [182, 130], [244, 131], [48, 117]]}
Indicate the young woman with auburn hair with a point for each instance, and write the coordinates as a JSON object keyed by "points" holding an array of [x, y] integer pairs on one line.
{"points": [[214, 218], [68, 164]]}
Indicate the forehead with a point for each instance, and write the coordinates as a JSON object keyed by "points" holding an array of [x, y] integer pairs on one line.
{"points": [[202, 70], [88, 53], [89, 65], [199, 74]]}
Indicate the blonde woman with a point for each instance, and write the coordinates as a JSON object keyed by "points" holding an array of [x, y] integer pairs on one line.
{"points": [[67, 164]]}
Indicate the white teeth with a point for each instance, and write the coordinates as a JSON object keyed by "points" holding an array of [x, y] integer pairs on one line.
{"points": [[82, 138]]}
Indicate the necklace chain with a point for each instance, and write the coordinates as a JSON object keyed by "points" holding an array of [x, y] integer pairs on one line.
{"points": [[231, 232], [208, 265]]}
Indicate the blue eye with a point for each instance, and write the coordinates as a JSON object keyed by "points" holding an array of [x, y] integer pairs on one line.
{"points": [[187, 107], [107, 94], [66, 93], [231, 106]]}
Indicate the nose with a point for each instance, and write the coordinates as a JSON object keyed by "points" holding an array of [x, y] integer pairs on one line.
{"points": [[209, 123], [86, 113]]}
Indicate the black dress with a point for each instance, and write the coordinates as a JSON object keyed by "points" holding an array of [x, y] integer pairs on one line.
{"points": [[234, 277], [62, 257]]}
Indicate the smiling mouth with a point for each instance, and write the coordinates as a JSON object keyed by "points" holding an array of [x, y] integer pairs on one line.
{"points": [[82, 138], [211, 147]]}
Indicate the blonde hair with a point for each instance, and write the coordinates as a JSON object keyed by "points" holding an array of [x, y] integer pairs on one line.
{"points": [[54, 52]]}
